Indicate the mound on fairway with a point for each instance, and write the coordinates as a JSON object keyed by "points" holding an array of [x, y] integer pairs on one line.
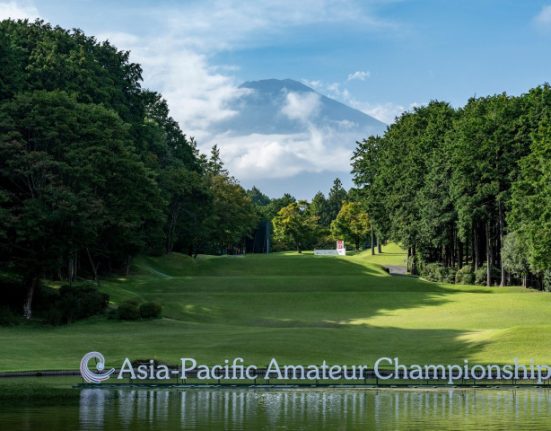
{"points": [[299, 309]]}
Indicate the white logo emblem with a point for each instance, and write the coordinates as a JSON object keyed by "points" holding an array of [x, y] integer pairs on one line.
{"points": [[91, 376]]}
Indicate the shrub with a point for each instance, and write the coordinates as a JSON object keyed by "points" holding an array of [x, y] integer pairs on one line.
{"points": [[8, 317], [434, 272], [129, 310], [150, 310], [480, 275], [76, 303], [547, 280], [465, 275]]}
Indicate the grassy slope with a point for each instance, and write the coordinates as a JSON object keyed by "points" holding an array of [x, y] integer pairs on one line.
{"points": [[298, 308]]}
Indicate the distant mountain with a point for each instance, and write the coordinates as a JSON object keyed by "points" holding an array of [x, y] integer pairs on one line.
{"points": [[262, 111], [286, 137]]}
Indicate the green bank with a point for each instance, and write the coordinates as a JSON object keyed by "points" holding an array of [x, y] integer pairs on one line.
{"points": [[300, 309]]}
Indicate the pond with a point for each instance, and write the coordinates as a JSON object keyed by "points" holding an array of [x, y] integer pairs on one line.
{"points": [[289, 409]]}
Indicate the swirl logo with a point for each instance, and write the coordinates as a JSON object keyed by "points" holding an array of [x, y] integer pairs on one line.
{"points": [[91, 376]]}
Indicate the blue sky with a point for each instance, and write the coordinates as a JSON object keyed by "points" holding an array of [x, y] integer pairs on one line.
{"points": [[412, 50], [379, 56]]}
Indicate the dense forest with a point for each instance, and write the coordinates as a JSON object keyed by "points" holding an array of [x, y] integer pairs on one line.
{"points": [[94, 171], [467, 191]]}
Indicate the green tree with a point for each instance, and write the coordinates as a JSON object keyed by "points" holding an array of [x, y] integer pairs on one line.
{"points": [[319, 207], [295, 223], [71, 183], [233, 213], [351, 223], [514, 255], [337, 195], [531, 199]]}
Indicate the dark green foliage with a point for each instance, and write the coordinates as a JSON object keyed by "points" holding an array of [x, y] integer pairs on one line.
{"points": [[70, 304], [450, 184], [8, 317], [438, 272], [337, 195], [150, 310], [93, 170], [129, 310], [531, 198], [547, 280]]}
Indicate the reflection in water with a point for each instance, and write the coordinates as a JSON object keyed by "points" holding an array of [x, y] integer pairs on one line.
{"points": [[310, 409]]}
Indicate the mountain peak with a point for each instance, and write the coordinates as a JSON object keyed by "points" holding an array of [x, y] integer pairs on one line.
{"points": [[276, 85]]}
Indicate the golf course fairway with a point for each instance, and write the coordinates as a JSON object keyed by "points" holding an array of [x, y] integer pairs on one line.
{"points": [[299, 308]]}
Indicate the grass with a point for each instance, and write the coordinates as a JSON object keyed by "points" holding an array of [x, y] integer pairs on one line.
{"points": [[299, 309]]}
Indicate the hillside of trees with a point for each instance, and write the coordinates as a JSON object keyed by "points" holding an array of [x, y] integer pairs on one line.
{"points": [[93, 170], [467, 191]]}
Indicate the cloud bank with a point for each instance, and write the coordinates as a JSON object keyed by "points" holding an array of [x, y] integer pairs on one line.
{"points": [[176, 51]]}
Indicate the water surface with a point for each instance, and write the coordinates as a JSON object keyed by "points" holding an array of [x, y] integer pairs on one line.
{"points": [[291, 409]]}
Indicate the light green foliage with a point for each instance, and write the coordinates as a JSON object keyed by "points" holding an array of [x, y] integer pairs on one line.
{"points": [[294, 223], [514, 254], [351, 223]]}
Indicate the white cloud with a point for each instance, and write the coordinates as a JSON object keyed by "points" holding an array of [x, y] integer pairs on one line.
{"points": [[544, 17], [359, 75], [385, 112], [18, 10], [198, 94], [283, 155], [177, 62], [301, 106]]}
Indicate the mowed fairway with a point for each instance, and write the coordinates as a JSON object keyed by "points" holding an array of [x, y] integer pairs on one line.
{"points": [[300, 309]]}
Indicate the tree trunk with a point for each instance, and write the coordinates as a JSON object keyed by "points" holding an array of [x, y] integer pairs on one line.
{"points": [[488, 255], [169, 246], [372, 242], [27, 307], [475, 248], [128, 264], [501, 233], [92, 265], [379, 249], [70, 269], [413, 261]]}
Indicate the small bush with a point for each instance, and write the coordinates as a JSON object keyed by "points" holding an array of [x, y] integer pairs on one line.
{"points": [[150, 310], [438, 272], [129, 310], [465, 275], [434, 272], [547, 280], [75, 303], [8, 317], [480, 275]]}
